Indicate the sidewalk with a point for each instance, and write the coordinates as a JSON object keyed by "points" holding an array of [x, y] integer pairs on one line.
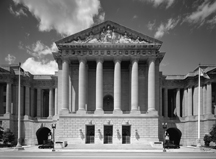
{"points": [[182, 149]]}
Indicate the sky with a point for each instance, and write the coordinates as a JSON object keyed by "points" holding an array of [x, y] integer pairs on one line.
{"points": [[29, 28]]}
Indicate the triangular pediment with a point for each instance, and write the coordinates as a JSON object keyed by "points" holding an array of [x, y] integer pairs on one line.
{"points": [[4, 71], [108, 33]]}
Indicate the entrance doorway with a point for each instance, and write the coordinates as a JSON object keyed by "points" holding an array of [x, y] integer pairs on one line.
{"points": [[108, 134], [42, 135], [126, 134], [108, 103], [90, 134]]}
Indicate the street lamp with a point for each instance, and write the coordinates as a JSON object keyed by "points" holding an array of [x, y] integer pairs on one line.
{"points": [[164, 125], [53, 126]]}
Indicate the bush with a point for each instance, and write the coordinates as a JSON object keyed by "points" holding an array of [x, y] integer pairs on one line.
{"points": [[1, 133], [207, 139], [8, 136], [213, 133]]}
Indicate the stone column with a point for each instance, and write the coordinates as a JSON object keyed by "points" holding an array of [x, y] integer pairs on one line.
{"points": [[209, 99], [32, 102], [27, 101], [178, 102], [134, 85], [165, 102], [190, 98], [99, 86], [56, 101], [8, 98], [82, 85], [38, 102], [151, 85], [65, 87], [50, 103], [185, 106], [117, 86], [204, 99]]}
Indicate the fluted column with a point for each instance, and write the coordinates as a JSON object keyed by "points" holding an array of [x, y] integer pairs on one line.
{"points": [[50, 102], [117, 86], [209, 99], [8, 98], [27, 100], [151, 85], [99, 86], [165, 102], [65, 87], [134, 85], [178, 102], [190, 98], [204, 100], [82, 85], [32, 102], [56, 101], [38, 102]]}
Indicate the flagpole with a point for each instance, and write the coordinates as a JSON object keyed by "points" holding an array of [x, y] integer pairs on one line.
{"points": [[198, 140], [19, 146]]}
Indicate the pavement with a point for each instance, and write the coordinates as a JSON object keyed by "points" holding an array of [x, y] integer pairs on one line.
{"points": [[181, 149]]}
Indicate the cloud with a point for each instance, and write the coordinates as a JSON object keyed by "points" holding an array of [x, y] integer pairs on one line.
{"points": [[64, 16], [165, 28], [40, 67], [39, 50], [151, 25], [135, 17], [202, 13], [17, 13], [157, 3], [10, 59]]}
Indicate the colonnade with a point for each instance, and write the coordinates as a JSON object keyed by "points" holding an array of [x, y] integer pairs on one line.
{"points": [[99, 85], [187, 103], [31, 104]]}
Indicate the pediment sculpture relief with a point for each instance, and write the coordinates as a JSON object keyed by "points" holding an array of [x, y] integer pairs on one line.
{"points": [[108, 35]]}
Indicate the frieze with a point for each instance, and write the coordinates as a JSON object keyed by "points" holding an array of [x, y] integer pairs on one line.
{"points": [[6, 78], [75, 53], [43, 83]]}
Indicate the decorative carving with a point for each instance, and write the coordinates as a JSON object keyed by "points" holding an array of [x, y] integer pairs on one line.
{"points": [[108, 35]]}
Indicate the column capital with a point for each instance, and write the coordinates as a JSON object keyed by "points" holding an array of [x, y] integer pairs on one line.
{"points": [[66, 60], [100, 59], [117, 59], [82, 59], [134, 59], [151, 59]]}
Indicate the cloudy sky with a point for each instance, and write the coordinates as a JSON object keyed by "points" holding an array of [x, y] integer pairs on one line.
{"points": [[29, 28]]}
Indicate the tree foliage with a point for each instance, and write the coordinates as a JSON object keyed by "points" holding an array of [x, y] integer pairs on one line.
{"points": [[8, 136], [213, 133]]}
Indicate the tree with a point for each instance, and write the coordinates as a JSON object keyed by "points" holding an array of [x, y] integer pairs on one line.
{"points": [[8, 136], [1, 132], [213, 133]]}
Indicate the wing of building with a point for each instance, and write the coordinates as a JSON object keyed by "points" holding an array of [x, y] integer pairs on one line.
{"points": [[108, 90]]}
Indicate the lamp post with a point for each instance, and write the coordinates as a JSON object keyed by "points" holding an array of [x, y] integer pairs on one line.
{"points": [[164, 125], [53, 126]]}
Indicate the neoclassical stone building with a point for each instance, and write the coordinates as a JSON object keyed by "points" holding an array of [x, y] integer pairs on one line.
{"points": [[108, 90]]}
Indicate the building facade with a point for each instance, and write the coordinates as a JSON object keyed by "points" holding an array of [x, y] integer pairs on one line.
{"points": [[108, 90]]}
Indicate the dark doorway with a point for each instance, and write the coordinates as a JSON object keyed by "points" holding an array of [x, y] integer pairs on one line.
{"points": [[42, 135], [90, 134], [126, 133], [174, 135], [108, 103], [108, 134]]}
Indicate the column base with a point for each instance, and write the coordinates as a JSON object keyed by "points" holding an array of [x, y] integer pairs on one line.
{"points": [[118, 111], [7, 115], [64, 111], [99, 112], [152, 112], [26, 117], [81, 111], [135, 112]]}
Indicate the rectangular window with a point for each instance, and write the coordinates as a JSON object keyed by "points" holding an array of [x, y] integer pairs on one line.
{"points": [[90, 134], [126, 134], [108, 134]]}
